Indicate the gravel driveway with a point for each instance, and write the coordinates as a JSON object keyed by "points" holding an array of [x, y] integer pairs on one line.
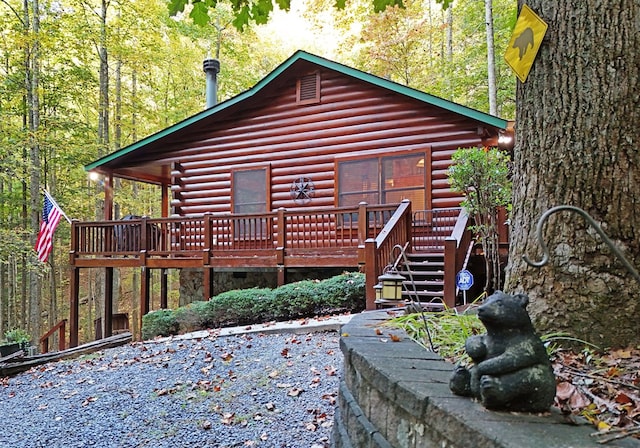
{"points": [[253, 390]]}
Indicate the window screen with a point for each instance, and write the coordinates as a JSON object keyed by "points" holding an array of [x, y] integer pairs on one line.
{"points": [[382, 180], [250, 191]]}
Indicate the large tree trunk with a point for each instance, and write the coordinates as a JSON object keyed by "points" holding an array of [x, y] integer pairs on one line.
{"points": [[491, 59], [33, 81], [577, 143]]}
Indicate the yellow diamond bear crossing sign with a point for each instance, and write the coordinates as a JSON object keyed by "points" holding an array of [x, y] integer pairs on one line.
{"points": [[525, 42]]}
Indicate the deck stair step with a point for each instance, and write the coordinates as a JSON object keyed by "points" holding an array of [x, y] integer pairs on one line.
{"points": [[427, 271]]}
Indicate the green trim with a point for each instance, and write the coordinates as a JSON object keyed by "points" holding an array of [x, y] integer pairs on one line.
{"points": [[332, 65]]}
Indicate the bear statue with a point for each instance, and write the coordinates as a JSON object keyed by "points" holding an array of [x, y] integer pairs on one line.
{"points": [[511, 370]]}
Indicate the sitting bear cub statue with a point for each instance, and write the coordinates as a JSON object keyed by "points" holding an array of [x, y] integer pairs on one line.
{"points": [[511, 369]]}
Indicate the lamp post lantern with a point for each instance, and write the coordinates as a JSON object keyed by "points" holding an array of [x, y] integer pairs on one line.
{"points": [[391, 283]]}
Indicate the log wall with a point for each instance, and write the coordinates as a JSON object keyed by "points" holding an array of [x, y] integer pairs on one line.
{"points": [[292, 140]]}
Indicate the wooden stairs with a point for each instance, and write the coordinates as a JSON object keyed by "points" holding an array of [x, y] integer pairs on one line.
{"points": [[424, 273]]}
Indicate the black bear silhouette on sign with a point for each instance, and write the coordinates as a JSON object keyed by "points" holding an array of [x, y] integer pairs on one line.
{"points": [[523, 41]]}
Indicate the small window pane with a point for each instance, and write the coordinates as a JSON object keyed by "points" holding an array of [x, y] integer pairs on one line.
{"points": [[386, 180], [250, 191], [404, 178], [358, 181], [415, 196], [405, 171]]}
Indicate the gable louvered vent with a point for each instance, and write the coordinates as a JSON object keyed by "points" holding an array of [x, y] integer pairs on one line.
{"points": [[308, 89]]}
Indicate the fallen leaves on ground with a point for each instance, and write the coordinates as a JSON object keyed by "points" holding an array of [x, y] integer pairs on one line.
{"points": [[602, 388]]}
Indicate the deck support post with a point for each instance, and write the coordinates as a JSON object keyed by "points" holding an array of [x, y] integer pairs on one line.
{"points": [[207, 283], [107, 321], [450, 249], [164, 303], [145, 280], [282, 275], [73, 306], [370, 273]]}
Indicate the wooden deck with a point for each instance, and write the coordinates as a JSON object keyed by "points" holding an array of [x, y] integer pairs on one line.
{"points": [[361, 237], [309, 238]]}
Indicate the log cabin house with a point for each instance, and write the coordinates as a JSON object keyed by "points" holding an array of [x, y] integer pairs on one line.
{"points": [[318, 166]]}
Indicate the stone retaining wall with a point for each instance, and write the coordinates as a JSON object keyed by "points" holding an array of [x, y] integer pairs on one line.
{"points": [[396, 394]]}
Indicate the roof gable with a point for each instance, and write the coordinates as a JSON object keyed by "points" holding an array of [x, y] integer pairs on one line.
{"points": [[321, 62]]}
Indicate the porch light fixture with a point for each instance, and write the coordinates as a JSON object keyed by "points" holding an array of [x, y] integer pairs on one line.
{"points": [[506, 139], [378, 291], [391, 283], [94, 176]]}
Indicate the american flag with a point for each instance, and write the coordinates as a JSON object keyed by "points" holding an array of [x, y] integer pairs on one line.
{"points": [[51, 215]]}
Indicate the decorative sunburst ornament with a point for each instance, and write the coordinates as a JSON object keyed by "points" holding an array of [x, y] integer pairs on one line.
{"points": [[302, 190]]}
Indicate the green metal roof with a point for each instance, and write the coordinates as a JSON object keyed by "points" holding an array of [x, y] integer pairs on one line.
{"points": [[320, 61]]}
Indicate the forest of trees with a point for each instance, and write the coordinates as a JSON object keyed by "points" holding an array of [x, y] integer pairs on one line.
{"points": [[82, 78]]}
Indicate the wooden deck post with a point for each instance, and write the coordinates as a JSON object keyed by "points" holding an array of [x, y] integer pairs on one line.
{"points": [[207, 272], [370, 273], [281, 230], [107, 322], [409, 225], [450, 250], [73, 306], [207, 283], [363, 232], [164, 288], [74, 287], [282, 275], [145, 279]]}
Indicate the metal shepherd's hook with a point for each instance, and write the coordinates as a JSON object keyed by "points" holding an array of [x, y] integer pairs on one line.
{"points": [[545, 251], [415, 302]]}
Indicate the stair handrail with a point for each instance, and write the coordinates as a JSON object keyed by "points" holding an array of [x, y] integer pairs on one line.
{"points": [[402, 256], [452, 263], [44, 340], [379, 250], [414, 301]]}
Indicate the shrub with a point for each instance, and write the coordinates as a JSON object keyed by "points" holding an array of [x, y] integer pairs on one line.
{"points": [[191, 317], [159, 323], [236, 307], [306, 298], [294, 300], [345, 292], [17, 336]]}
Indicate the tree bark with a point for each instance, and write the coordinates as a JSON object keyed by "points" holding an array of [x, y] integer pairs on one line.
{"points": [[491, 59], [33, 80], [577, 144]]}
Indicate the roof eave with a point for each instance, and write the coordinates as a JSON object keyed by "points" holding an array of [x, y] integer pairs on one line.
{"points": [[474, 114]]}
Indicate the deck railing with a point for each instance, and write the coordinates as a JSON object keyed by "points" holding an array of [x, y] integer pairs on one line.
{"points": [[60, 327], [365, 234], [455, 250], [192, 237], [425, 231], [379, 250], [432, 227]]}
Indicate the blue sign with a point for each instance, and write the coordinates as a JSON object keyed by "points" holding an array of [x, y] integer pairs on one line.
{"points": [[464, 280]]}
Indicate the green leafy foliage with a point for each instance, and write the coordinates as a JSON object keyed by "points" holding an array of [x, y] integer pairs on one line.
{"points": [[200, 13], [259, 11], [306, 298], [159, 323], [448, 329], [340, 293], [17, 336], [482, 175], [381, 5]]}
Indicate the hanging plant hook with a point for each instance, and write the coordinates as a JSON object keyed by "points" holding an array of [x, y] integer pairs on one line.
{"points": [[545, 250]]}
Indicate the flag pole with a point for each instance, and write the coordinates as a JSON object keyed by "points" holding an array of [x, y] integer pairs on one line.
{"points": [[53, 201]]}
